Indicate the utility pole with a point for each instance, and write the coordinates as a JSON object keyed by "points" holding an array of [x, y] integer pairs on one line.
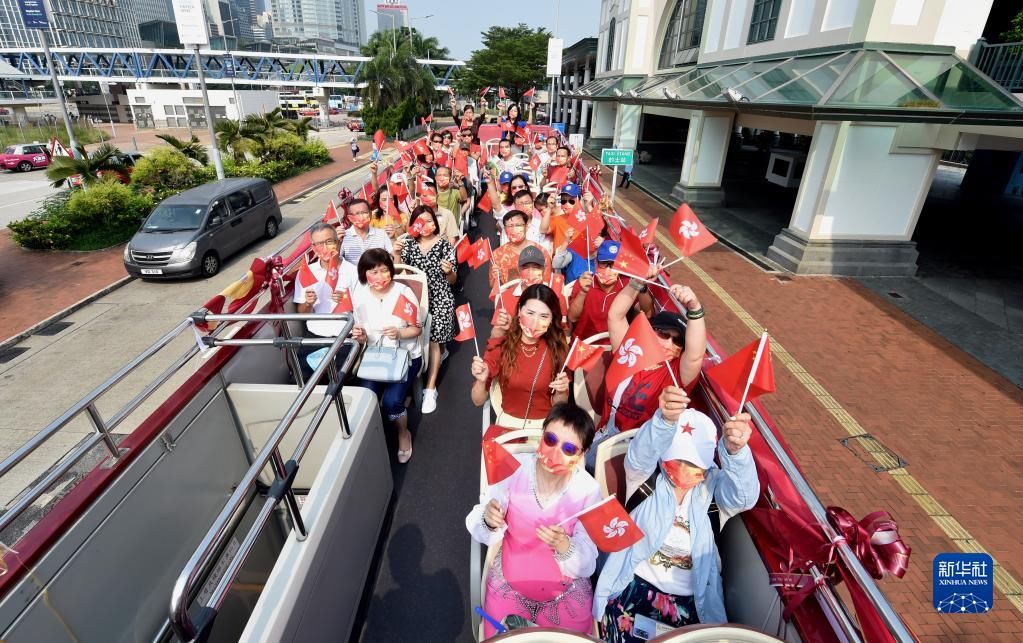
{"points": [[214, 149], [59, 93]]}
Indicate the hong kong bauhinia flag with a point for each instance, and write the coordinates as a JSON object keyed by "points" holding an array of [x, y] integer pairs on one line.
{"points": [[610, 527], [639, 350], [499, 462], [688, 232], [481, 252], [406, 310], [466, 329]]}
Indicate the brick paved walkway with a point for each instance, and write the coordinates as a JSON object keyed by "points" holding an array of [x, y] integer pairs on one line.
{"points": [[951, 418], [35, 285]]}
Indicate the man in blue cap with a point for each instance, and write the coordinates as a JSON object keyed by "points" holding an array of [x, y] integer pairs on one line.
{"points": [[593, 293]]}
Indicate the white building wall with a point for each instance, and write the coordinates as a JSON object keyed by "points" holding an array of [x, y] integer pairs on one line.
{"points": [[172, 103]]}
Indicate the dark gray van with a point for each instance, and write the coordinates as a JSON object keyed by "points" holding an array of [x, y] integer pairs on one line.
{"points": [[191, 233]]}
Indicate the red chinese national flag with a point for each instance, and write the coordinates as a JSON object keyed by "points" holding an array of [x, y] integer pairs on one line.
{"points": [[481, 253], [632, 259], [585, 356], [610, 527], [483, 92], [463, 249], [747, 373], [330, 216], [529, 92], [405, 309], [508, 302], [378, 140], [466, 329], [558, 174], [639, 350], [462, 163], [344, 305], [306, 278], [484, 204], [500, 463], [688, 232]]}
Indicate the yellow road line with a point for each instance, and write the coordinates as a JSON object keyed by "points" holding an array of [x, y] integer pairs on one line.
{"points": [[951, 527]]}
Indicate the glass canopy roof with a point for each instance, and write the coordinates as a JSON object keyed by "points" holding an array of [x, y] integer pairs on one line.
{"points": [[864, 82]]}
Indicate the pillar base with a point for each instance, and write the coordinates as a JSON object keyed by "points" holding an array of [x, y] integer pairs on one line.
{"points": [[598, 142], [698, 196], [846, 257]]}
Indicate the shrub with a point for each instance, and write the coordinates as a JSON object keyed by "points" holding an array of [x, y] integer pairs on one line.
{"points": [[281, 147], [108, 204], [45, 227], [273, 171], [311, 154], [164, 172]]}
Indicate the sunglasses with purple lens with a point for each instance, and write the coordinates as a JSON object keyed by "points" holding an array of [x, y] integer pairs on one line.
{"points": [[569, 449]]}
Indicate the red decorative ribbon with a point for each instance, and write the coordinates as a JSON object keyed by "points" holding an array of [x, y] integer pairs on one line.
{"points": [[875, 541]]}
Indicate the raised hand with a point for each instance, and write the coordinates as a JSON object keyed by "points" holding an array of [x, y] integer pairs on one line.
{"points": [[672, 402], [737, 432]]}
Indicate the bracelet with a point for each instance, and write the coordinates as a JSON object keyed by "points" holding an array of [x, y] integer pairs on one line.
{"points": [[641, 288], [483, 519], [568, 553], [695, 314]]}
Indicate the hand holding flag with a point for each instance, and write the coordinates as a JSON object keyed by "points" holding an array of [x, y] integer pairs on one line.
{"points": [[610, 527], [342, 302]]}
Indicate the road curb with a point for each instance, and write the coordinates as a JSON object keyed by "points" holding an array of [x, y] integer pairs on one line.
{"points": [[57, 316], [106, 290]]}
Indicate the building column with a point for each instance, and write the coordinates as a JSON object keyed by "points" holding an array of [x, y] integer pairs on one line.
{"points": [[704, 161], [626, 133], [858, 204], [584, 117], [576, 84], [323, 100], [563, 102]]}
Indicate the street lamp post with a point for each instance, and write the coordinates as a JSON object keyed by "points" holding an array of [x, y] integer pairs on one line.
{"points": [[394, 38], [411, 42]]}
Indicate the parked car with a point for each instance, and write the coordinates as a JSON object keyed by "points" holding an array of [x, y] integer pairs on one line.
{"points": [[355, 125], [127, 159], [191, 233], [25, 157]]}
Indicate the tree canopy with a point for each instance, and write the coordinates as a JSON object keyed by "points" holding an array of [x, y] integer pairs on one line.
{"points": [[512, 57], [1015, 31], [394, 75]]}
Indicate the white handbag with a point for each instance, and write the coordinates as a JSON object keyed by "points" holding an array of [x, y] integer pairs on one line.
{"points": [[381, 364]]}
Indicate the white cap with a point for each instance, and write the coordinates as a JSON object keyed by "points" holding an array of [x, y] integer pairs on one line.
{"points": [[398, 177], [695, 440]]}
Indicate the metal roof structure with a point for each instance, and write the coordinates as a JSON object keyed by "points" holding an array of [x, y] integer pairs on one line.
{"points": [[877, 84]]}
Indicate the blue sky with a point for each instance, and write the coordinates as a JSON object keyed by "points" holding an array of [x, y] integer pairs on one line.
{"points": [[458, 25]]}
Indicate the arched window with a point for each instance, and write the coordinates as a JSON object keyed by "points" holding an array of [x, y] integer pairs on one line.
{"points": [[682, 37], [609, 58]]}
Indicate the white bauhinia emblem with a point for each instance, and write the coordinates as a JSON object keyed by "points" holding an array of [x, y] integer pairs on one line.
{"points": [[480, 254], [615, 528], [408, 309], [689, 229], [580, 216], [629, 352], [464, 320]]}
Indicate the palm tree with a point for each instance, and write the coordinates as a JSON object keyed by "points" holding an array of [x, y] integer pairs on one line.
{"points": [[265, 125], [106, 158], [191, 148], [231, 138], [394, 75], [302, 127]]}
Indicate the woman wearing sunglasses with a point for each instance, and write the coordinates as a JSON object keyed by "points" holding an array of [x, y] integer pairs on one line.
{"points": [[542, 572], [526, 362], [684, 342]]}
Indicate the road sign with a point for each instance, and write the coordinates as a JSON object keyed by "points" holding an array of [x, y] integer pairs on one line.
{"points": [[228, 66], [555, 47], [33, 14], [612, 156]]}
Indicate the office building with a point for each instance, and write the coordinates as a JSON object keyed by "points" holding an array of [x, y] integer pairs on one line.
{"points": [[323, 26], [392, 14]]}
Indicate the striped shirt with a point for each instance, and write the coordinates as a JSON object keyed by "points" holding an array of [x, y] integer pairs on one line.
{"points": [[354, 245]]}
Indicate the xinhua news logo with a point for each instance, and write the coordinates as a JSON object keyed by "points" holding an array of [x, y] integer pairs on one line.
{"points": [[963, 583]]}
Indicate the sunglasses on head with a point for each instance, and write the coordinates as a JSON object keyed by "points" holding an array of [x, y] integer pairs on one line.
{"points": [[569, 449], [675, 338]]}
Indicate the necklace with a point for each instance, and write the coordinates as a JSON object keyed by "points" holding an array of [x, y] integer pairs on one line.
{"points": [[544, 496], [529, 351]]}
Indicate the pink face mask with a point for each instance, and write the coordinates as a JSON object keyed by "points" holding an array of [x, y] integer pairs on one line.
{"points": [[378, 282], [554, 460], [532, 328]]}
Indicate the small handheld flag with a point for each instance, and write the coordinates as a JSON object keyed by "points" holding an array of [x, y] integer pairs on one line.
{"points": [[481, 252], [466, 328], [406, 310], [747, 373], [610, 527], [499, 462], [689, 234], [344, 305]]}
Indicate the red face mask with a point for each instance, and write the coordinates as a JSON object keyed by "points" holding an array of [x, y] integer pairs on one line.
{"points": [[378, 282], [532, 328], [606, 276], [682, 474]]}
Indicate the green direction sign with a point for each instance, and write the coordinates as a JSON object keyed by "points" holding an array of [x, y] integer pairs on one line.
{"points": [[612, 156]]}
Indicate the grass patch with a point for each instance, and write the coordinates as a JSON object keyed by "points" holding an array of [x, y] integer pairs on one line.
{"points": [[13, 135], [100, 238]]}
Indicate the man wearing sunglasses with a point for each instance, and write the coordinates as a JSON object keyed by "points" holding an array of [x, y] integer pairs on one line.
{"points": [[504, 261], [671, 477], [542, 573], [594, 291]]}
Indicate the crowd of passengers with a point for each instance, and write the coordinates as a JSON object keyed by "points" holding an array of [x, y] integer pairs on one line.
{"points": [[547, 294]]}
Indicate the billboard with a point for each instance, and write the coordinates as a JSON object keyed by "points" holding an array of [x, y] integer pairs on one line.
{"points": [[33, 13], [554, 50], [191, 22]]}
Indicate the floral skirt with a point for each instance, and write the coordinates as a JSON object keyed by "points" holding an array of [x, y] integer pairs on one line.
{"points": [[641, 598]]}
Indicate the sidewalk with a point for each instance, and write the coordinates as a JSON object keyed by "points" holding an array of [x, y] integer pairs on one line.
{"points": [[35, 285], [847, 363]]}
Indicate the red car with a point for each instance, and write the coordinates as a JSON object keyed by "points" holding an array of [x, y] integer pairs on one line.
{"points": [[355, 126], [24, 157]]}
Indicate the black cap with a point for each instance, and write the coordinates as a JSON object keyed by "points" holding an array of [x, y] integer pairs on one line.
{"points": [[532, 254], [669, 321]]}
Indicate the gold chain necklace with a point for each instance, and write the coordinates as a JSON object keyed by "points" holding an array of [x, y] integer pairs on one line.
{"points": [[529, 352]]}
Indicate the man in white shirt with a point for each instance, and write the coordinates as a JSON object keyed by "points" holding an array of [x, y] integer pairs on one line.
{"points": [[361, 237]]}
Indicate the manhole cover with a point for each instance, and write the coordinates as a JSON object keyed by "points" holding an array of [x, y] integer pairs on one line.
{"points": [[895, 295], [52, 329], [11, 353], [872, 453]]}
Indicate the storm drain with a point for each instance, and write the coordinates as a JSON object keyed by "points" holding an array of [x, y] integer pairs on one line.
{"points": [[50, 330], [895, 295], [872, 453], [11, 353]]}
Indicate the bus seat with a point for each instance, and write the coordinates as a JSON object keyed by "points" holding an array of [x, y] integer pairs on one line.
{"points": [[415, 279], [609, 466]]}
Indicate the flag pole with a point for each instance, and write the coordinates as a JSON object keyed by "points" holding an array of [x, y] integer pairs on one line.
{"points": [[474, 342], [753, 371], [672, 263], [571, 349], [671, 371], [586, 510]]}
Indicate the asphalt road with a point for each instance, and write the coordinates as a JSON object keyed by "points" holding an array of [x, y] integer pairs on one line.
{"points": [[22, 192]]}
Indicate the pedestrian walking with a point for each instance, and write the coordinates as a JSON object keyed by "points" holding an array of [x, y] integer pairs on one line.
{"points": [[355, 148], [626, 177]]}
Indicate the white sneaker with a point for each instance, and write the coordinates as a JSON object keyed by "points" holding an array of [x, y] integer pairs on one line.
{"points": [[429, 400]]}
